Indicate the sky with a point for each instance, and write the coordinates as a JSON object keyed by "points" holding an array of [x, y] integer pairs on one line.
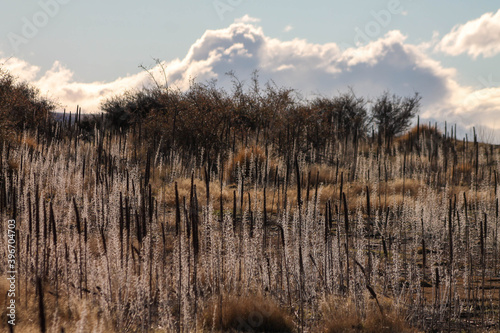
{"points": [[82, 52]]}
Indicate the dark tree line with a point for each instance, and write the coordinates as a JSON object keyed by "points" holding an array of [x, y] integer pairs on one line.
{"points": [[210, 119], [21, 107]]}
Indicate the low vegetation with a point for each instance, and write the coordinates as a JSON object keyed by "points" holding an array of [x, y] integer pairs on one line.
{"points": [[250, 211]]}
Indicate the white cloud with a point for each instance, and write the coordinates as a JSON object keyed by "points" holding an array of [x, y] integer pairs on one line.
{"points": [[23, 70], [247, 19], [288, 28], [57, 83], [389, 63], [477, 37]]}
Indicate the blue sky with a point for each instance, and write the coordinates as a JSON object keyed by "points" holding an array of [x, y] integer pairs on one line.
{"points": [[84, 51], [104, 40]]}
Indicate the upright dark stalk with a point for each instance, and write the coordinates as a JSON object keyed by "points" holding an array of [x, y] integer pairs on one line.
{"points": [[178, 233], [46, 250], [234, 212], [301, 263], [52, 220], [450, 264], [37, 229], [424, 251], [308, 190], [85, 239], [128, 228], [251, 227], [41, 307], [264, 212], [177, 211], [105, 248], [327, 242], [482, 236], [369, 230], [436, 290], [121, 226], [196, 245], [79, 230], [207, 184], [495, 246], [346, 244]]}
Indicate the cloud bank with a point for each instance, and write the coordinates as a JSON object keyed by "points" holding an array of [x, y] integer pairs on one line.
{"points": [[389, 63], [479, 37]]}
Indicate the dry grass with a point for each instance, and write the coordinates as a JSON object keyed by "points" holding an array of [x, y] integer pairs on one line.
{"points": [[248, 313], [322, 174], [73, 316], [12, 165], [243, 159], [424, 131], [341, 315], [184, 189], [409, 186], [463, 172], [30, 142], [390, 194]]}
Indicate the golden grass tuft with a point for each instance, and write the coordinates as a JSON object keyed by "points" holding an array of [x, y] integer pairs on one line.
{"points": [[242, 160], [340, 315], [31, 142], [246, 314], [322, 174], [425, 131], [184, 188], [410, 187], [12, 165], [463, 172]]}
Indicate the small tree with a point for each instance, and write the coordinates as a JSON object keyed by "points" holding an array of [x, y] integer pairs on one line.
{"points": [[346, 113], [393, 114]]}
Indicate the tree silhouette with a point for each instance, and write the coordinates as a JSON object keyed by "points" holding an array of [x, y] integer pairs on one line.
{"points": [[392, 114]]}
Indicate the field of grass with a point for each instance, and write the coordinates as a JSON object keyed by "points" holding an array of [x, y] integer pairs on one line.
{"points": [[114, 236]]}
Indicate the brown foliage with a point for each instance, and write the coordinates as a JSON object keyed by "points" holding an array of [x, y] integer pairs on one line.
{"points": [[21, 106], [246, 314], [243, 160], [341, 315]]}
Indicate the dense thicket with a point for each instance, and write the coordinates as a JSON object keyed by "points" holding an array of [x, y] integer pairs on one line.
{"points": [[209, 119], [21, 106]]}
